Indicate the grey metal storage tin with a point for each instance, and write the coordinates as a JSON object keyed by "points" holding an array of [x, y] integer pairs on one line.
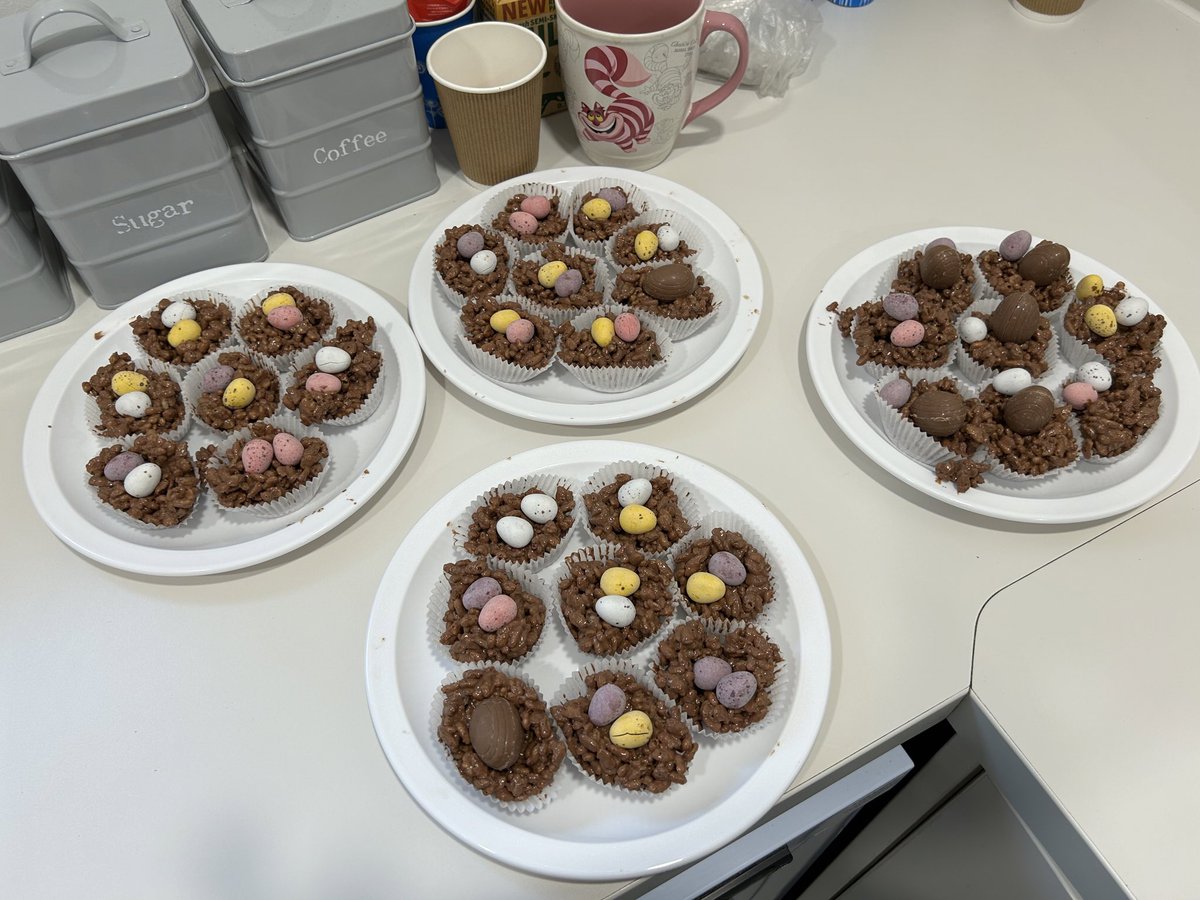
{"points": [[19, 250], [33, 282], [104, 118]]}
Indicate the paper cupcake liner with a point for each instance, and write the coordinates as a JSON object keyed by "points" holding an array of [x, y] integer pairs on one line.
{"points": [[675, 328], [987, 292], [116, 515], [495, 205], [632, 193], [770, 614], [450, 769], [282, 362], [195, 377], [552, 314], [1099, 460], [180, 369], [547, 483], [494, 367], [370, 402], [1010, 478], [691, 503], [91, 409], [976, 372], [616, 379], [688, 231], [457, 299], [903, 434], [295, 498], [884, 286], [575, 686]]}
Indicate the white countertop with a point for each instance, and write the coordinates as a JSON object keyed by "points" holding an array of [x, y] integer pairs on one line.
{"points": [[210, 737]]}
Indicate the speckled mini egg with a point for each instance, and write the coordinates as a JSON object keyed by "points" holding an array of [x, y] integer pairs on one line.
{"points": [[323, 383], [257, 456], [597, 209], [522, 222], [285, 318], [704, 587], [536, 205], [614, 197], [631, 730], [550, 272], [606, 704], [736, 689], [668, 239], [515, 531], [616, 610], [520, 332], [142, 480], [483, 262], [634, 492], [896, 393], [568, 283], [707, 672], [645, 245], [288, 448], [603, 330], [727, 567], [1132, 310], [1079, 394], [540, 508], [276, 300], [134, 404], [183, 331], [1096, 374], [176, 313], [497, 612], [1015, 245], [941, 242], [502, 318], [238, 394], [216, 379], [972, 329], [627, 327], [908, 334], [1100, 320], [469, 244], [901, 307], [620, 581], [480, 592], [636, 519], [122, 464], [1012, 381], [1089, 286], [332, 360]]}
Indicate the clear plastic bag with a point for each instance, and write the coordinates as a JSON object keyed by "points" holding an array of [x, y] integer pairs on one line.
{"points": [[782, 36]]}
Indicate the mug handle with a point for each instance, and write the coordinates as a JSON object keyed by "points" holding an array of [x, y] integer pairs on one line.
{"points": [[731, 25]]}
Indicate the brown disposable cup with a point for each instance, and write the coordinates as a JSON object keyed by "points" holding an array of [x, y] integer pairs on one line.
{"points": [[488, 78], [1048, 8]]}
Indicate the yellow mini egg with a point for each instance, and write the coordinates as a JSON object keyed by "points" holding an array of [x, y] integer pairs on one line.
{"points": [[502, 318], [128, 382], [620, 581], [1089, 286], [239, 393], [183, 331], [1101, 320], [637, 519], [705, 588], [277, 300], [603, 330], [631, 730], [550, 273], [597, 209], [645, 245]]}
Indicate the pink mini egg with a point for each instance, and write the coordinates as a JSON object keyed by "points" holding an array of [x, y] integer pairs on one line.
{"points": [[322, 383], [1079, 394], [627, 327], [522, 222], [908, 334], [285, 318], [257, 456], [497, 613], [519, 332], [536, 205], [288, 449]]}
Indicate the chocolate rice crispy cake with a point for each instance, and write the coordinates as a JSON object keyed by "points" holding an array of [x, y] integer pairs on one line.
{"points": [[976, 425], [673, 290], [871, 328], [602, 229], [1004, 277], [1117, 419], [624, 255], [742, 602], [1134, 346], [456, 270], [214, 319], [465, 640], [166, 410], [211, 409], [996, 353], [551, 228], [579, 348], [1052, 446], [537, 353], [261, 336], [483, 540], [358, 381], [171, 502], [946, 278], [579, 590], [526, 284], [235, 488], [604, 513]]}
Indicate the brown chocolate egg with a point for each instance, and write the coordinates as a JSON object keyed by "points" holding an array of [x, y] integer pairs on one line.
{"points": [[938, 413], [496, 733], [1027, 411], [1015, 319], [940, 267], [669, 282], [1045, 263]]}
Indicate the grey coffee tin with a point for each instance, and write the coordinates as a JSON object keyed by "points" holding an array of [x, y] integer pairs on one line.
{"points": [[33, 283]]}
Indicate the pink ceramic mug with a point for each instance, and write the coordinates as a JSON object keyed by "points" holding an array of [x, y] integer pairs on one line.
{"points": [[629, 67]]}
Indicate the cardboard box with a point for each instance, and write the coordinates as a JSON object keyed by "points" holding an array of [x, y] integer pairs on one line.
{"points": [[538, 16]]}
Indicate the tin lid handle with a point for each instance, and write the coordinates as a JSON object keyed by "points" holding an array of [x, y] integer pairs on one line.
{"points": [[45, 9]]}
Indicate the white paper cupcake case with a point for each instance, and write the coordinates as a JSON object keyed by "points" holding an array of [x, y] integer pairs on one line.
{"points": [[981, 375], [289, 502], [282, 362], [370, 402], [91, 409], [688, 231], [450, 770], [117, 516], [769, 617], [496, 203], [884, 286], [691, 503], [180, 369], [458, 299], [552, 314], [1101, 461], [195, 377], [547, 483], [675, 328], [576, 686], [632, 193], [903, 434], [439, 600], [616, 379]]}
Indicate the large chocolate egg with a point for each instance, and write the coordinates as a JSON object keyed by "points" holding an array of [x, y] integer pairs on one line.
{"points": [[940, 266], [1045, 263], [1028, 411], [938, 413], [669, 282], [496, 733], [1016, 318]]}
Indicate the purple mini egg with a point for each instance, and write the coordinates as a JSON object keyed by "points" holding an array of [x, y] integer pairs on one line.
{"points": [[216, 379], [727, 567], [627, 327], [522, 222], [614, 196], [736, 689], [497, 612], [323, 383], [708, 671], [908, 334], [1015, 245], [896, 393], [941, 242], [1077, 394], [520, 331], [257, 456], [901, 307], [568, 283], [536, 205], [122, 464], [288, 448], [285, 318], [470, 244], [606, 705], [480, 592]]}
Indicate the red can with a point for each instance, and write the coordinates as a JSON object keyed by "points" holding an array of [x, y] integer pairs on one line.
{"points": [[435, 10]]}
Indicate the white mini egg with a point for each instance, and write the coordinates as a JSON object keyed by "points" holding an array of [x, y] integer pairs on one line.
{"points": [[1131, 310], [135, 404], [142, 481], [483, 262], [972, 329], [539, 508], [176, 313], [332, 360], [616, 610], [668, 238], [634, 492], [514, 531], [1097, 375], [1012, 381]]}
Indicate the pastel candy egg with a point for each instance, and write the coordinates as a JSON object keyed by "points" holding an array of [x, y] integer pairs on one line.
{"points": [[606, 704], [941, 242], [1097, 375], [540, 508], [597, 209], [323, 383], [631, 730], [142, 480], [277, 300], [634, 492], [216, 379], [896, 393], [707, 671], [1012, 381], [134, 404], [614, 197], [1015, 245], [238, 394], [483, 262], [1100, 320], [736, 689], [1079, 394], [568, 283], [502, 318], [469, 244], [620, 581], [603, 330], [1089, 286], [257, 456], [645, 245], [901, 307], [497, 612], [183, 331], [668, 239], [520, 332], [704, 587], [523, 222], [616, 610], [536, 205], [727, 567], [972, 329], [637, 519], [285, 318], [332, 359], [549, 273], [514, 531], [908, 334], [627, 327], [480, 592], [122, 464], [288, 448], [176, 313], [1132, 310]]}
